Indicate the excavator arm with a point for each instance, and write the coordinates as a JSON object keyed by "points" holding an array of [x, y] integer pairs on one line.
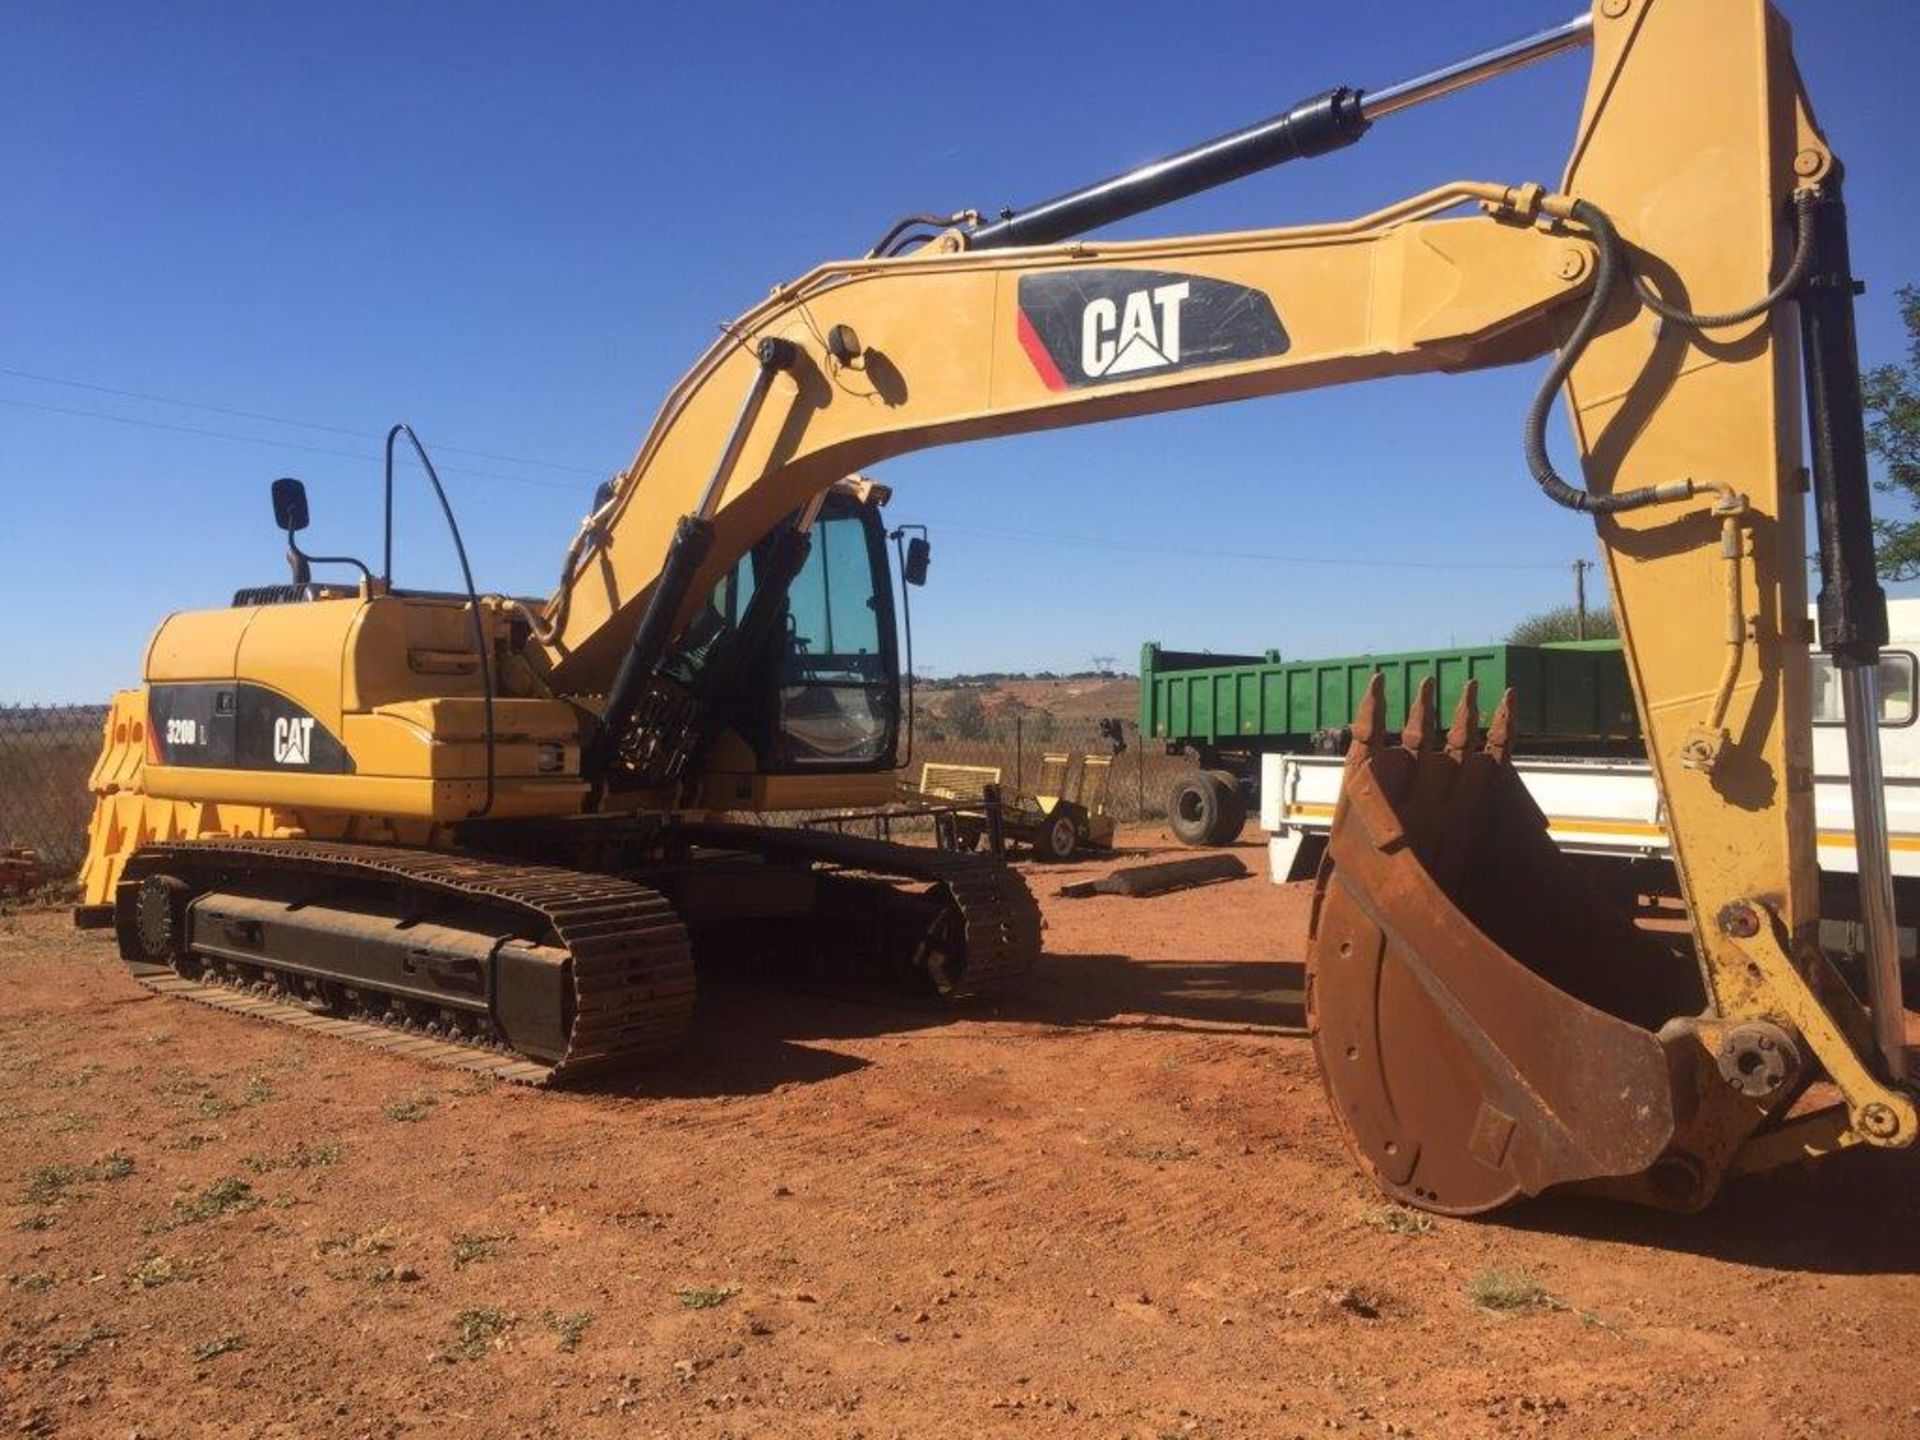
{"points": [[1475, 1050]]}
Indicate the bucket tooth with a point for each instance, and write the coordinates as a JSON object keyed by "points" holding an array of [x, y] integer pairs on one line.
{"points": [[1369, 734], [1423, 720], [1460, 837], [1500, 728], [1435, 772], [1463, 734], [1370, 720]]}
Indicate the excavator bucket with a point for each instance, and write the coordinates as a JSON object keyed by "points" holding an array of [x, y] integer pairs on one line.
{"points": [[1485, 1023]]}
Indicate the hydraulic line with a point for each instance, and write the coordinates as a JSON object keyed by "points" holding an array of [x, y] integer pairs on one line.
{"points": [[896, 236], [1606, 277], [1803, 210], [466, 574], [1612, 261]]}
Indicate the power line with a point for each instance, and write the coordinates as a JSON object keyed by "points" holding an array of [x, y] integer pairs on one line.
{"points": [[276, 442], [1147, 547], [279, 419], [1000, 532]]}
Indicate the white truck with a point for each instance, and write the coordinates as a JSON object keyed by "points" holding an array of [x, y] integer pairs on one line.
{"points": [[1610, 809]]}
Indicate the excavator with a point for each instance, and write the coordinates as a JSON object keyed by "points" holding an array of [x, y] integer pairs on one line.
{"points": [[495, 831]]}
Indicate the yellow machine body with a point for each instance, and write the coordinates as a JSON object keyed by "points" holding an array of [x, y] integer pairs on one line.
{"points": [[1694, 138]]}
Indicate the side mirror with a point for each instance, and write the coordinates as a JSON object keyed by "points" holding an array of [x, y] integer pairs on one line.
{"points": [[289, 504], [913, 569]]}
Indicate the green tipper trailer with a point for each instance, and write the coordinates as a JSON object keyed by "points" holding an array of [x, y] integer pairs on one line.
{"points": [[1228, 710]]}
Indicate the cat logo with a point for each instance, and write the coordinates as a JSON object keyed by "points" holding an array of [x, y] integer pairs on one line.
{"points": [[1141, 331], [293, 740], [1108, 326]]}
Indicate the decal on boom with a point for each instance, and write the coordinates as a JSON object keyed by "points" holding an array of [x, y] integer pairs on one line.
{"points": [[1099, 327]]}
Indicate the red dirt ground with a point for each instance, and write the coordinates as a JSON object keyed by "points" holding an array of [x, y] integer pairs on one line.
{"points": [[1110, 1205]]}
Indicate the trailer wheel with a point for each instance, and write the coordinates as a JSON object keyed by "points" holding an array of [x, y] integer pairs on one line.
{"points": [[1206, 808], [1057, 839]]}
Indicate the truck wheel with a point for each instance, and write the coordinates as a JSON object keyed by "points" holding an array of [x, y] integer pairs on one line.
{"points": [[1232, 810], [1206, 808], [1190, 809]]}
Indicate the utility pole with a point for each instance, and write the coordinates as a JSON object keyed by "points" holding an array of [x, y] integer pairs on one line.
{"points": [[1580, 568]]}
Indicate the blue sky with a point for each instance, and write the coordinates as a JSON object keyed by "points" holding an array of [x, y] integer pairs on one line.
{"points": [[514, 226]]}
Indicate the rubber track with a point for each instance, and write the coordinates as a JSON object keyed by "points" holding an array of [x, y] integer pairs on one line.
{"points": [[999, 916], [633, 974]]}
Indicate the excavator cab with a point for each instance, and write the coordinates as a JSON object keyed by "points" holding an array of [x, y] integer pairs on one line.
{"points": [[835, 674], [816, 659]]}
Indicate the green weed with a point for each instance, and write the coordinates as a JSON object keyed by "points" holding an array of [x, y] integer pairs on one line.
{"points": [[567, 1329], [477, 1330], [50, 1183], [368, 1242], [219, 1345], [469, 1248], [155, 1270], [301, 1157], [59, 1352], [1395, 1221], [1509, 1292], [1163, 1154], [231, 1196]]}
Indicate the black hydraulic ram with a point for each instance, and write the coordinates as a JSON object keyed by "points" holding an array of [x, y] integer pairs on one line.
{"points": [[718, 690], [1851, 605], [1324, 123], [692, 543]]}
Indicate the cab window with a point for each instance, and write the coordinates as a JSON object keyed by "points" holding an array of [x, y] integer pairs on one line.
{"points": [[835, 701]]}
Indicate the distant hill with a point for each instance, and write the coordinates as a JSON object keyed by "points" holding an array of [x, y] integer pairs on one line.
{"points": [[1072, 704]]}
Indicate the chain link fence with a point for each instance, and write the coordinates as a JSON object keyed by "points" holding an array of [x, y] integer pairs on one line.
{"points": [[46, 754]]}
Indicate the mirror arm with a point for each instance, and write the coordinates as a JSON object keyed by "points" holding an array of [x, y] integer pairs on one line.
{"points": [[303, 563]]}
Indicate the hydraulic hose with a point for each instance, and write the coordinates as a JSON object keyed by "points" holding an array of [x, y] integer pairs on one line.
{"points": [[1803, 207], [889, 243], [1611, 262], [473, 595], [1606, 278]]}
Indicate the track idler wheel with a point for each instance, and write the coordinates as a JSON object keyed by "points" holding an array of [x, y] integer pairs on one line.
{"points": [[1484, 1023], [160, 923]]}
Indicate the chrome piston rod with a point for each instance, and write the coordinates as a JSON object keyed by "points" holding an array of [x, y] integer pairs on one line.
{"points": [[1374, 104], [1860, 695]]}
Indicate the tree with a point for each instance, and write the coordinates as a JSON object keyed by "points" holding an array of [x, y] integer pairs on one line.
{"points": [[966, 716], [1560, 623], [1892, 395]]}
